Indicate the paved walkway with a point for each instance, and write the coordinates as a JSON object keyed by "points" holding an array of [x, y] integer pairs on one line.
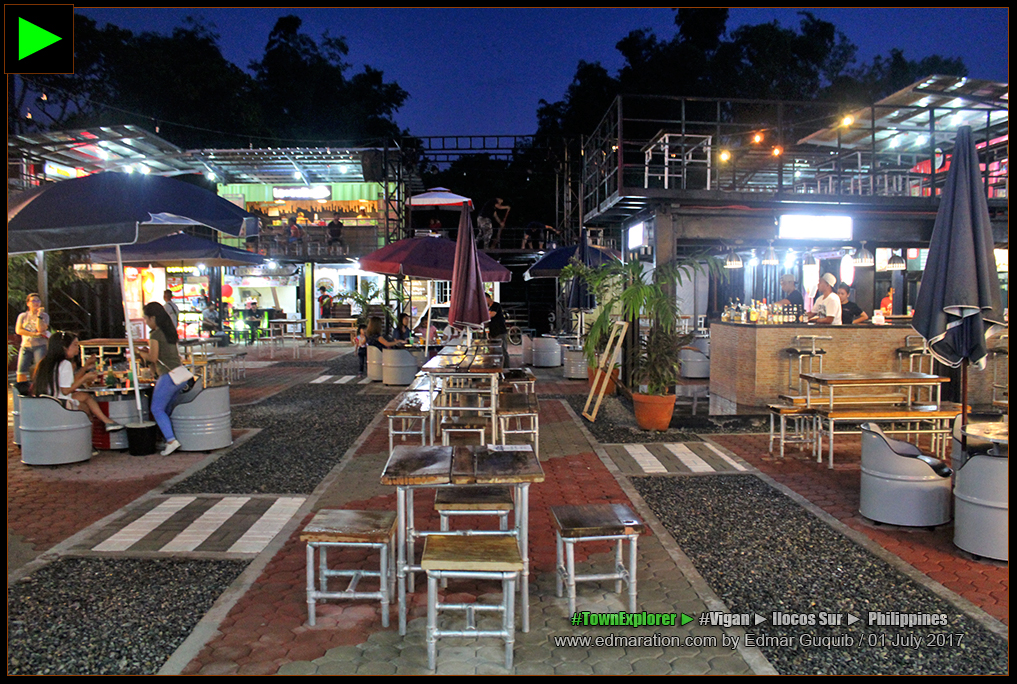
{"points": [[112, 506]]}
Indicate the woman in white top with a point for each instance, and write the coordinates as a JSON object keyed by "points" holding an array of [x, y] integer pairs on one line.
{"points": [[55, 376]]}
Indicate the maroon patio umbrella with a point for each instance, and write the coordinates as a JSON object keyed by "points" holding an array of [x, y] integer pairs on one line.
{"points": [[430, 258], [468, 305]]}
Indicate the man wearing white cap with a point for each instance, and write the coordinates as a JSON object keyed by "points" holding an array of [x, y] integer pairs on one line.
{"points": [[826, 309]]}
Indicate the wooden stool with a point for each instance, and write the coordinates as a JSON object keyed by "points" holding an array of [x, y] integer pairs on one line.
{"points": [[519, 378], [803, 430], [482, 557], [463, 425], [474, 501], [349, 529], [411, 412], [521, 407], [596, 522]]}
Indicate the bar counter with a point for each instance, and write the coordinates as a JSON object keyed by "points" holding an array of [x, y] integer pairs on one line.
{"points": [[749, 367]]}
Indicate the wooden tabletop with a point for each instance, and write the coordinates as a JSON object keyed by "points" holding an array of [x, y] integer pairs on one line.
{"points": [[883, 378], [462, 465], [466, 362]]}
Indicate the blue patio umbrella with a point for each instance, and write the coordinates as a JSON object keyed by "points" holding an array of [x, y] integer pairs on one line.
{"points": [[551, 264]]}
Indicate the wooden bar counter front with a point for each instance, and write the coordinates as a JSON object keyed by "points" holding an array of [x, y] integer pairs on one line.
{"points": [[749, 364]]}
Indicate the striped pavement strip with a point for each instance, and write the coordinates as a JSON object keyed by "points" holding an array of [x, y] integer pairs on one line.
{"points": [[647, 461], [205, 524], [345, 379], [689, 458], [202, 528], [365, 381], [133, 533], [261, 533], [734, 464], [320, 379], [686, 458]]}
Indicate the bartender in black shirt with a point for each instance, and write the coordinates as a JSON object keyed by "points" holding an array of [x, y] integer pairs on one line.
{"points": [[850, 312]]}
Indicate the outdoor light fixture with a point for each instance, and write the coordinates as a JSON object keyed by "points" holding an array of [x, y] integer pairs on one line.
{"points": [[770, 256], [863, 257], [896, 263], [757, 138], [809, 260], [777, 151], [733, 260], [753, 259], [725, 156], [847, 121]]}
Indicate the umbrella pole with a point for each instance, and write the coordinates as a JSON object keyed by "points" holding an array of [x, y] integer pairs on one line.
{"points": [[427, 331], [130, 335]]}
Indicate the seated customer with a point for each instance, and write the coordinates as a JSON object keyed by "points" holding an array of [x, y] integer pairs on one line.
{"points": [[375, 338], [850, 312], [402, 331], [55, 376]]}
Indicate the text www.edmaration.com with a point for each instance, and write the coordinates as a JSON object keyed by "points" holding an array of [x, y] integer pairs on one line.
{"points": [[649, 640]]}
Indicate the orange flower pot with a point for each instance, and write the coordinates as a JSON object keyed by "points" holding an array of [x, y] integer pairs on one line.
{"points": [[612, 386], [653, 412]]}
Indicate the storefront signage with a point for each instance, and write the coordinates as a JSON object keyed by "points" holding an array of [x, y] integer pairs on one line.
{"points": [[53, 170], [315, 192]]}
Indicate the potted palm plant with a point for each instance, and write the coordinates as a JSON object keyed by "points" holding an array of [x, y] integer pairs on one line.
{"points": [[645, 297]]}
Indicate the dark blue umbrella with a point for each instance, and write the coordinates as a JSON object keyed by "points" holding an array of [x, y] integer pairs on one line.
{"points": [[108, 209], [551, 264], [180, 248], [959, 300]]}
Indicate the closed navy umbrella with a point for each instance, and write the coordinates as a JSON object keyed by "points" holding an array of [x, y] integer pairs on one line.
{"points": [[959, 300]]}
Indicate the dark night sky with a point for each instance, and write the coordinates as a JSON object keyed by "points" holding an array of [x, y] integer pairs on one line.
{"points": [[484, 71]]}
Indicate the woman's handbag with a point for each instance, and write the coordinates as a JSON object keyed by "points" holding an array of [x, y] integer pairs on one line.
{"points": [[180, 375]]}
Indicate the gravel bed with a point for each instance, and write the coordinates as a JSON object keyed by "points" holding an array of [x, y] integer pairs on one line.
{"points": [[102, 616], [305, 430], [616, 423], [761, 552]]}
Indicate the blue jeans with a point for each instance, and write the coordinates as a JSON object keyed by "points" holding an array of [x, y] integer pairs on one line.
{"points": [[163, 396], [29, 358]]}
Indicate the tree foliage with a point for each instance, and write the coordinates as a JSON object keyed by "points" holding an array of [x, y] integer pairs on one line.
{"points": [[812, 61], [299, 92]]}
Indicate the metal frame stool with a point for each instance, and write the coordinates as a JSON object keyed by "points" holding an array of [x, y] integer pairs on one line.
{"points": [[350, 529], [520, 407], [413, 408], [482, 557], [451, 425], [596, 522], [796, 350], [803, 426], [519, 378]]}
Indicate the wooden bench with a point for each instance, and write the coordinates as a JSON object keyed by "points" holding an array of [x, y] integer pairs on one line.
{"points": [[349, 529], [595, 522], [939, 417], [846, 400]]}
